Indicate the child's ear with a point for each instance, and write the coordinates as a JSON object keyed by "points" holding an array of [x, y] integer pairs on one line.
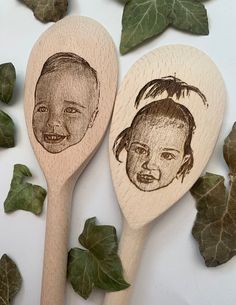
{"points": [[126, 145], [93, 117], [186, 158], [184, 161]]}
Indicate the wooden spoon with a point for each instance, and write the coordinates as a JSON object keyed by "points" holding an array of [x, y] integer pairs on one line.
{"points": [[166, 121], [70, 88]]}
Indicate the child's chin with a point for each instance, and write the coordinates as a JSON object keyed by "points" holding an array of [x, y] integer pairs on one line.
{"points": [[56, 148], [147, 188]]}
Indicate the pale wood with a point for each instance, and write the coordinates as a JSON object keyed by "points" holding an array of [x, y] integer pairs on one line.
{"points": [[140, 207], [55, 252], [130, 250], [88, 39]]}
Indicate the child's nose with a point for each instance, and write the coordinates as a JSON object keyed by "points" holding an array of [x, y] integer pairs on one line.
{"points": [[152, 163], [53, 121], [154, 167]]}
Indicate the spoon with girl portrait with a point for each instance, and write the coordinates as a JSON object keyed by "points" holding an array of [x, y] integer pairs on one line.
{"points": [[165, 124], [70, 89]]}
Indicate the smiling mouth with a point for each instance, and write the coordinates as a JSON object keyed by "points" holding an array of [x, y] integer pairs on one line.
{"points": [[144, 178], [53, 138]]}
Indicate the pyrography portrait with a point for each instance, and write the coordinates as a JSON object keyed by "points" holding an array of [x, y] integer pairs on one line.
{"points": [[66, 101], [158, 140]]}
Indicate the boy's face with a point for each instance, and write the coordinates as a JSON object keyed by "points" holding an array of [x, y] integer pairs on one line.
{"points": [[155, 154], [65, 106]]}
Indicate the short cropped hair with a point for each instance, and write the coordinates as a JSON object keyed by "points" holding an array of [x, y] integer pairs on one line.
{"points": [[60, 61]]}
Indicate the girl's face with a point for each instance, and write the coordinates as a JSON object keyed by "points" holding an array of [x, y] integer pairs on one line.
{"points": [[65, 106], [155, 154]]}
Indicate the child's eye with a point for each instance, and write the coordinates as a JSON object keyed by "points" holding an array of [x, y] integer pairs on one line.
{"points": [[71, 110], [42, 109], [140, 150], [167, 156]]}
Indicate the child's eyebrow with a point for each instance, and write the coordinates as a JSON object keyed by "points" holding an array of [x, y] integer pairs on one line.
{"points": [[141, 144], [171, 149], [40, 102], [75, 103]]}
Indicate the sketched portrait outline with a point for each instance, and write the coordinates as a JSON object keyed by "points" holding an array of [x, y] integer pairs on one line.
{"points": [[158, 140], [66, 101]]}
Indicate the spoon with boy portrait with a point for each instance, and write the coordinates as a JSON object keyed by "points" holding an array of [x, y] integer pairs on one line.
{"points": [[70, 89], [167, 117]]}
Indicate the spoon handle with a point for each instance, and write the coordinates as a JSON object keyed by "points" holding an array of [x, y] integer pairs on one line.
{"points": [[130, 250], [55, 251]]}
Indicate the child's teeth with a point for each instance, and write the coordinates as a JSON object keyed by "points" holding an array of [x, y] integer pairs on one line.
{"points": [[54, 137]]}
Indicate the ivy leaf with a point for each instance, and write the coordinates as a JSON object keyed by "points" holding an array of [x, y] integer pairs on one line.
{"points": [[143, 19], [6, 130], [7, 82], [230, 150], [215, 225], [47, 10], [10, 280], [23, 195], [99, 265]]}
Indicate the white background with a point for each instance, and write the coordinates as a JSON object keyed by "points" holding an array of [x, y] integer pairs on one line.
{"points": [[171, 272]]}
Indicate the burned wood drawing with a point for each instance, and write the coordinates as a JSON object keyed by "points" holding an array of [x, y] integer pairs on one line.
{"points": [[66, 101], [158, 141]]}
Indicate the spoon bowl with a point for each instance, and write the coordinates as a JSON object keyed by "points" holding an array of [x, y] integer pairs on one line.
{"points": [[70, 88]]}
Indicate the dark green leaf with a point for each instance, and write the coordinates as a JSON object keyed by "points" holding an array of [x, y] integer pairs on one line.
{"points": [[98, 266], [80, 271], [7, 81], [100, 240], [10, 280], [47, 10], [23, 195], [230, 150], [6, 130], [143, 19], [215, 225]]}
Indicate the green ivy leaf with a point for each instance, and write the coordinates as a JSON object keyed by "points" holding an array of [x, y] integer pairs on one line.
{"points": [[99, 265], [7, 82], [215, 225], [230, 150], [10, 280], [47, 10], [23, 195], [143, 19], [6, 130]]}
